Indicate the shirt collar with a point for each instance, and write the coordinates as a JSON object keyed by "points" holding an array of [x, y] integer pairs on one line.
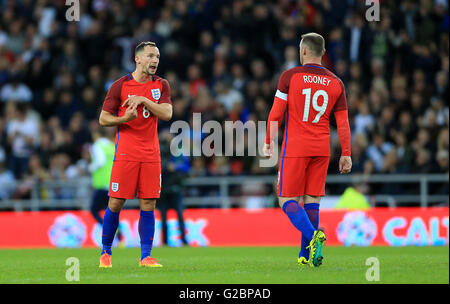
{"points": [[313, 64]]}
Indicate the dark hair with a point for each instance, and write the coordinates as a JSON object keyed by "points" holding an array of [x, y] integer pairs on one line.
{"points": [[142, 45], [21, 107], [314, 42]]}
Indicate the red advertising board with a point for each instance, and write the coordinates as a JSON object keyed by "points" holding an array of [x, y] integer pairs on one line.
{"points": [[232, 227]]}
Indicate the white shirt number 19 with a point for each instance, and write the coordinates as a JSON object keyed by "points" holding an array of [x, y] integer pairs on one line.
{"points": [[321, 109]]}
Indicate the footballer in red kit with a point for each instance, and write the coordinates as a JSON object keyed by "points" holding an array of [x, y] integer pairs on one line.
{"points": [[137, 158], [306, 97], [133, 104]]}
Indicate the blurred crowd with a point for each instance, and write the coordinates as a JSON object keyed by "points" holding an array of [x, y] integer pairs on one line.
{"points": [[222, 59]]}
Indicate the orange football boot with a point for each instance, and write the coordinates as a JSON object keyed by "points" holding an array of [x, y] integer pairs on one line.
{"points": [[105, 260], [149, 262]]}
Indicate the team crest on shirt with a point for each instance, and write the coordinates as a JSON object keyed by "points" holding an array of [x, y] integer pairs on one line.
{"points": [[115, 187], [156, 94]]}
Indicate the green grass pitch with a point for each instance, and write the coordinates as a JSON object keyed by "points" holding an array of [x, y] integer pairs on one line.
{"points": [[228, 265]]}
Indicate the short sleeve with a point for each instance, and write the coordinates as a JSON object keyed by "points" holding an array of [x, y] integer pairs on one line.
{"points": [[341, 102], [165, 92], [283, 87], [112, 99], [283, 83]]}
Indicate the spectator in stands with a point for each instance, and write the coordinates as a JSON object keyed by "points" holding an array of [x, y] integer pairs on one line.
{"points": [[196, 79], [359, 157], [243, 44], [364, 120], [239, 78], [89, 107], [443, 139], [16, 90], [441, 111], [46, 104], [66, 107], [422, 162], [35, 174], [442, 161], [423, 141], [405, 153], [377, 150], [23, 136], [59, 165], [228, 96], [407, 125], [7, 179]]}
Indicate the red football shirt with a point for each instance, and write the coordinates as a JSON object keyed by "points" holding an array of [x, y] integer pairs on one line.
{"points": [[309, 93], [137, 140]]}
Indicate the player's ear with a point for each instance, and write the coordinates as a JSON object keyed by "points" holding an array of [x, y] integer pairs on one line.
{"points": [[304, 50]]}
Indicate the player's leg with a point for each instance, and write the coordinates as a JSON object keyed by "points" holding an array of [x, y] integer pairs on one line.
{"points": [[297, 215], [314, 190], [99, 202], [109, 228], [102, 201], [124, 177], [291, 186], [146, 226], [311, 205], [149, 189], [111, 222]]}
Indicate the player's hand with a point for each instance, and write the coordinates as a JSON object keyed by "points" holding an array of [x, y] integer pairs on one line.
{"points": [[133, 101], [345, 164], [268, 150], [130, 113]]}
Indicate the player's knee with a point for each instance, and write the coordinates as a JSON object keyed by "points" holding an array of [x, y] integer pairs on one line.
{"points": [[309, 199], [282, 203], [148, 205], [115, 205]]}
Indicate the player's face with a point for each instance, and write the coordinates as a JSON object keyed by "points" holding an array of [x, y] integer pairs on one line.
{"points": [[149, 60]]}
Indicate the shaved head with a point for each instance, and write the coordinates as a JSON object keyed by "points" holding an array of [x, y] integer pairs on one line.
{"points": [[314, 43], [141, 46]]}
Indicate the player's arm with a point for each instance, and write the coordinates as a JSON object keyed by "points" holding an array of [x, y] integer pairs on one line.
{"points": [[343, 128], [162, 109], [274, 121], [276, 114], [111, 105], [107, 119]]}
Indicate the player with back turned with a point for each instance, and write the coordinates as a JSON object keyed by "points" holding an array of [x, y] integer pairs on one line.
{"points": [[306, 96], [134, 103]]}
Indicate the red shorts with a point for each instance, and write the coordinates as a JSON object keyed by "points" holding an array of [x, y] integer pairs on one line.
{"points": [[130, 178], [298, 176]]}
